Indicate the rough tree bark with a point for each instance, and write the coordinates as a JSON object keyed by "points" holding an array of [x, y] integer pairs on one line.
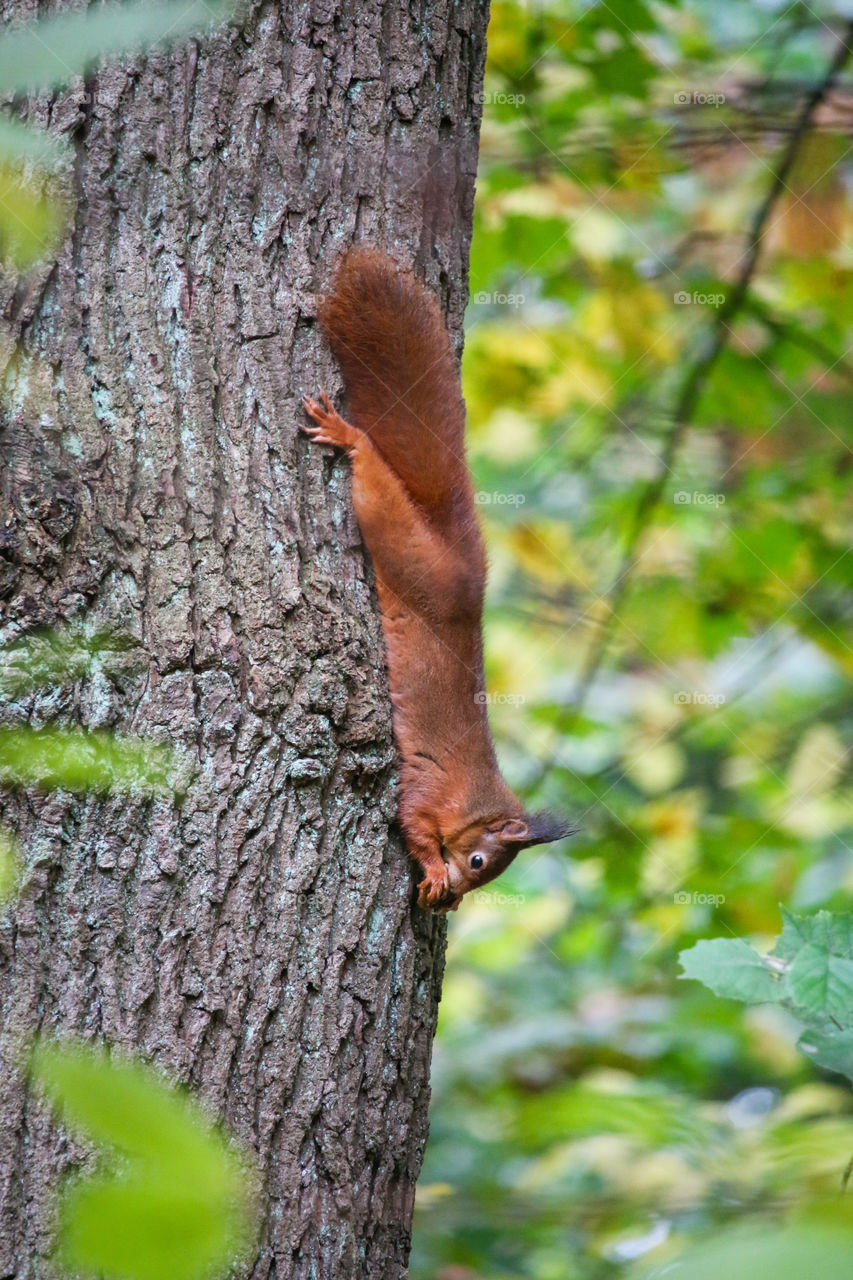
{"points": [[258, 938]]}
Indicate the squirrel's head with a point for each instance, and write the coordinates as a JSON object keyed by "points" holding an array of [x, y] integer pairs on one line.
{"points": [[485, 849]]}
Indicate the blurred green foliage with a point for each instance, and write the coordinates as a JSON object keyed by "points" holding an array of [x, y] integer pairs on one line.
{"points": [[690, 704], [49, 755], [172, 1201], [78, 760], [43, 56], [9, 866]]}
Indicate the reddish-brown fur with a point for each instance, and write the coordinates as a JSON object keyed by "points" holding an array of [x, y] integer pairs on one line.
{"points": [[415, 508]]}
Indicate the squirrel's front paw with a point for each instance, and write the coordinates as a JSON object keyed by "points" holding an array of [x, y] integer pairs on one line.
{"points": [[434, 887], [331, 427]]}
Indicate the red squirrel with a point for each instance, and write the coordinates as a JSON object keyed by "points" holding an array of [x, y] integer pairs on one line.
{"points": [[415, 507]]}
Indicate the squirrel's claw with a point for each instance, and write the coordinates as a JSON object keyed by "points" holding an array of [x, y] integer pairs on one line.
{"points": [[433, 888], [316, 434], [330, 427]]}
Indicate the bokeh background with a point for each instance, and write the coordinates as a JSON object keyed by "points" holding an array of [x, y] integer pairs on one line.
{"points": [[658, 375]]}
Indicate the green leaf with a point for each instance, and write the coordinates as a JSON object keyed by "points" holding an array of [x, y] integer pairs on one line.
{"points": [[832, 930], [731, 968], [176, 1205], [82, 761], [832, 1050], [822, 983], [797, 932], [54, 50]]}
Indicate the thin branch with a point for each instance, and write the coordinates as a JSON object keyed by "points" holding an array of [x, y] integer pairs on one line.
{"points": [[787, 331]]}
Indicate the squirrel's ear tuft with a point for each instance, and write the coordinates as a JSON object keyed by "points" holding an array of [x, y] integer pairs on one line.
{"points": [[542, 828], [534, 828]]}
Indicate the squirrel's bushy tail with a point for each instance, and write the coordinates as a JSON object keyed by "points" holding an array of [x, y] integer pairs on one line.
{"points": [[388, 335]]}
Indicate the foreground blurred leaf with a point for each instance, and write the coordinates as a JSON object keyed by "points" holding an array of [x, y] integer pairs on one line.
{"points": [[82, 761], [56, 49], [795, 1253], [49, 658], [177, 1203], [9, 865], [146, 1229], [19, 141], [29, 221]]}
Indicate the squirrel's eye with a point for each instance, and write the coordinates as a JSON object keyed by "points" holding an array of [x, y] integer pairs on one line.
{"points": [[477, 861]]}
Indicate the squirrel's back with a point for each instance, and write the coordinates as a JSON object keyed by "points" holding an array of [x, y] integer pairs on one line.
{"points": [[402, 382]]}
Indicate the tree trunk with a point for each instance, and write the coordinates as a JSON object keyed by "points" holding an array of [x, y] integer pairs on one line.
{"points": [[258, 936]]}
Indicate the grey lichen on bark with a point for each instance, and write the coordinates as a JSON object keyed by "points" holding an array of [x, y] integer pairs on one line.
{"points": [[256, 936]]}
